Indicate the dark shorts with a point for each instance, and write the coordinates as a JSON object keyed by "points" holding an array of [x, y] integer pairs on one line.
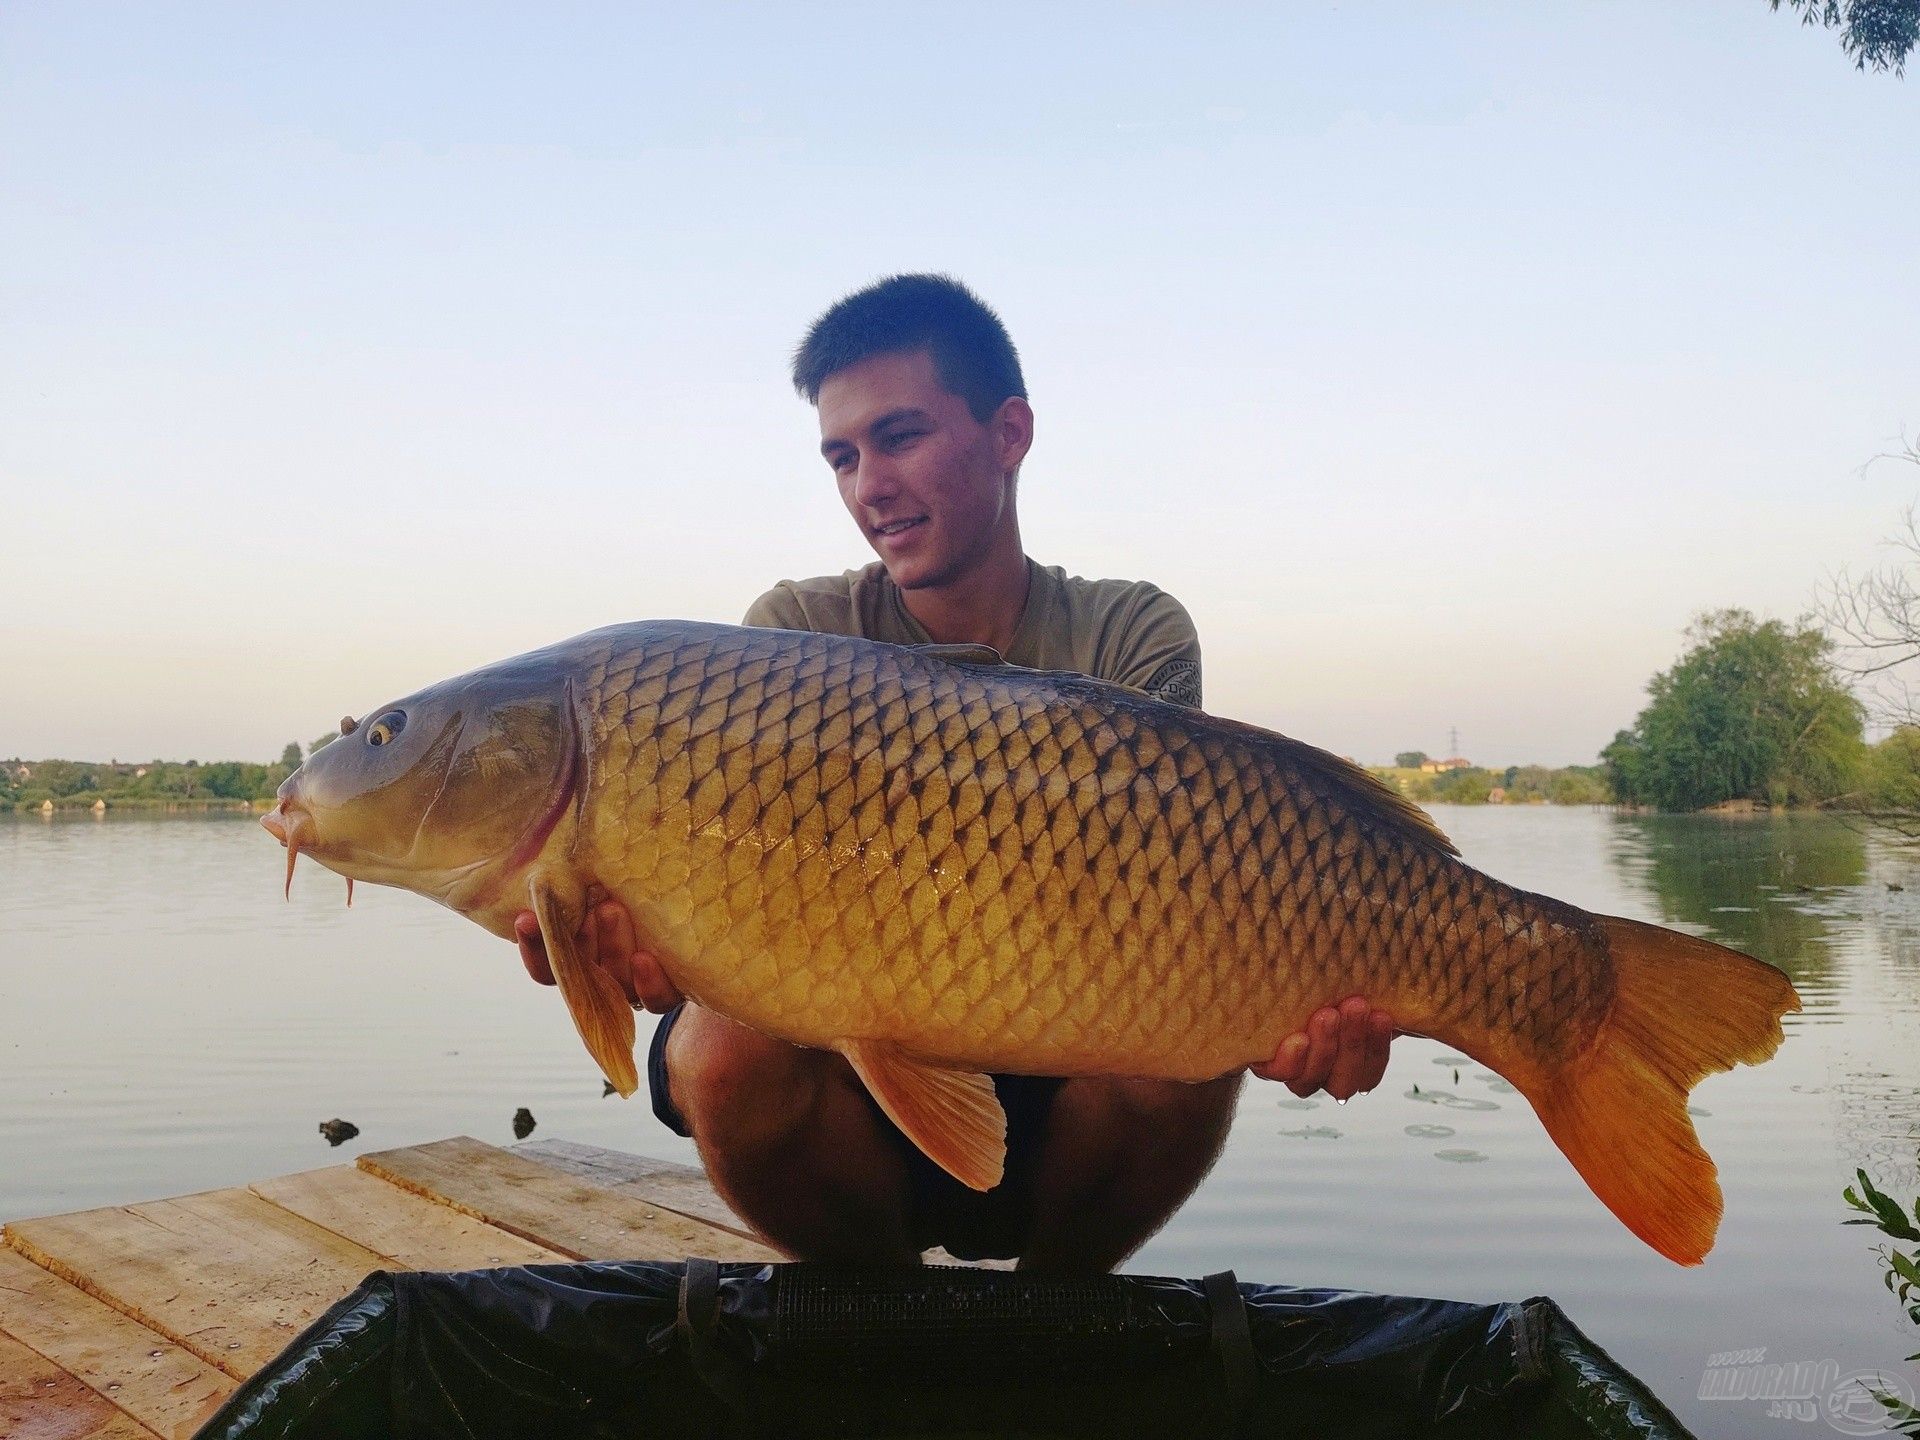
{"points": [[968, 1224]]}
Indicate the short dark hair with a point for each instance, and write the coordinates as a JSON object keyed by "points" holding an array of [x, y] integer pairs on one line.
{"points": [[972, 352]]}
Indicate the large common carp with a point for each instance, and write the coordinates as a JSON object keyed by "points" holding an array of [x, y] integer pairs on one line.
{"points": [[939, 865]]}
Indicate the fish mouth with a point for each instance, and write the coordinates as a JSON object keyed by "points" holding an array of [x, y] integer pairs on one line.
{"points": [[474, 885], [293, 828]]}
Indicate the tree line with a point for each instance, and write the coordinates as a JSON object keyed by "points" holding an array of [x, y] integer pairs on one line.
{"points": [[1513, 785], [1753, 710], [154, 784]]}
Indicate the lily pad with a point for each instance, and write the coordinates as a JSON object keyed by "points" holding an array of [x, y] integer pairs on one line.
{"points": [[1459, 1157], [1457, 1102], [1431, 1132]]}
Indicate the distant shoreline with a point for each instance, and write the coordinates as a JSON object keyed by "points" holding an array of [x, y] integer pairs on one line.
{"points": [[135, 804], [52, 786]]}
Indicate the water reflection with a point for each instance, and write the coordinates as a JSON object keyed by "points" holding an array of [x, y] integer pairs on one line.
{"points": [[1827, 900], [1744, 881]]}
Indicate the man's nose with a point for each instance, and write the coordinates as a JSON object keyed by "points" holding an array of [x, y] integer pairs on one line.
{"points": [[876, 481]]}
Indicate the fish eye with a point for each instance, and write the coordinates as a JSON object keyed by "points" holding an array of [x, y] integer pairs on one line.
{"points": [[381, 731]]}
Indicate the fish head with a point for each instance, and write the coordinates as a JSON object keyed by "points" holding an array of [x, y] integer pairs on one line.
{"points": [[451, 792]]}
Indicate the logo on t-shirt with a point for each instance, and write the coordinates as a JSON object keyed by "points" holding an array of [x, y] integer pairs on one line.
{"points": [[1177, 682]]}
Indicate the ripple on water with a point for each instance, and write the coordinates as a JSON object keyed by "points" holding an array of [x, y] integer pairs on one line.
{"points": [[1312, 1132], [1453, 1061], [1460, 1157], [1430, 1132], [1294, 1103]]}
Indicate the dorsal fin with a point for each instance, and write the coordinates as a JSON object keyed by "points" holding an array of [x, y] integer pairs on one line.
{"points": [[1367, 790], [1359, 787], [961, 654]]}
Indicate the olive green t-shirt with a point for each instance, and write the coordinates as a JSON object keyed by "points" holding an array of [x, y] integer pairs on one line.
{"points": [[1126, 631]]}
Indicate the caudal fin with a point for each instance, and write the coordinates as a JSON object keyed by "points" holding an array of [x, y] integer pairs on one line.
{"points": [[1683, 1009]]}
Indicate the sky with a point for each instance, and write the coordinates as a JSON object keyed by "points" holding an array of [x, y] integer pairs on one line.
{"points": [[1443, 360]]}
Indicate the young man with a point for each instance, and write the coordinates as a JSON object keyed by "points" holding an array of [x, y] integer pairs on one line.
{"points": [[924, 422]]}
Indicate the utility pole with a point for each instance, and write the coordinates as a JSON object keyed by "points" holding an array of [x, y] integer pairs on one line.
{"points": [[1453, 742]]}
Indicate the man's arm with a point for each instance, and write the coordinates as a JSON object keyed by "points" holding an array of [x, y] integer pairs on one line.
{"points": [[778, 609], [1156, 650]]}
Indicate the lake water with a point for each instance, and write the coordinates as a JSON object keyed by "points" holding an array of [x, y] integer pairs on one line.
{"points": [[167, 1024]]}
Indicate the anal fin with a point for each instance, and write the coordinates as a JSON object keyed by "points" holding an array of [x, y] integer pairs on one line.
{"points": [[952, 1115]]}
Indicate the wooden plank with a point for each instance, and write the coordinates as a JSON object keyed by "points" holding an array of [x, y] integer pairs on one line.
{"points": [[40, 1401], [154, 1380], [551, 1208], [672, 1186], [411, 1232], [224, 1274]]}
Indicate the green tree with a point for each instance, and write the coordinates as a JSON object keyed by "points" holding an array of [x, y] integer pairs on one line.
{"points": [[1876, 34], [1753, 710], [1578, 785], [1893, 771], [290, 757], [1410, 759]]}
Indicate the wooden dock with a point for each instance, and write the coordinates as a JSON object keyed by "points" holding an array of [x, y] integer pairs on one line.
{"points": [[135, 1321]]}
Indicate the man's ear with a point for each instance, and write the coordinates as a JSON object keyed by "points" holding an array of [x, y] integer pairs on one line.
{"points": [[1012, 427]]}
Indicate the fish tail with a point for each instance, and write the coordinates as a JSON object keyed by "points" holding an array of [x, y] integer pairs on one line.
{"points": [[1683, 1009]]}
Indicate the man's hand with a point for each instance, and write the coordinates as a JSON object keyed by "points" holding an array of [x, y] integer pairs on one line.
{"points": [[605, 938], [1343, 1051]]}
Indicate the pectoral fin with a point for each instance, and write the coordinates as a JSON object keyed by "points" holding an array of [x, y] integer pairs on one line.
{"points": [[953, 1115], [599, 1007]]}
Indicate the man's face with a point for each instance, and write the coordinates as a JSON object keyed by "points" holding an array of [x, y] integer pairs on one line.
{"points": [[929, 486]]}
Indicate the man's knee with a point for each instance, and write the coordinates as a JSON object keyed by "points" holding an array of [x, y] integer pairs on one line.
{"points": [[1173, 1109], [728, 1080]]}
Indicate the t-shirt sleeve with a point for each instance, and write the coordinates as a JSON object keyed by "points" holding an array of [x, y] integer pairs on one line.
{"points": [[778, 609], [1158, 650]]}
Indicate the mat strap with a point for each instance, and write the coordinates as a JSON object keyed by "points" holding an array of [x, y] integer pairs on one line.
{"points": [[1232, 1342]]}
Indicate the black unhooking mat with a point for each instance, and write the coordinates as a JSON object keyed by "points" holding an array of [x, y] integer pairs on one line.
{"points": [[642, 1349]]}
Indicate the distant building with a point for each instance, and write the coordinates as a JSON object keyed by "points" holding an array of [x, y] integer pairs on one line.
{"points": [[1440, 767]]}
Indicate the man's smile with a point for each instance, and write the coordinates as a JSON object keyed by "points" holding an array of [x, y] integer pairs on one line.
{"points": [[899, 527]]}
